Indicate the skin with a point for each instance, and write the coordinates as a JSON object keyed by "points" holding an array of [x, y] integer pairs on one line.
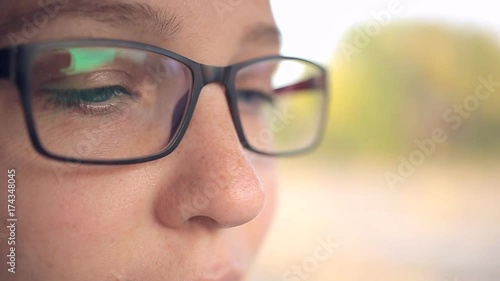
{"points": [[79, 222]]}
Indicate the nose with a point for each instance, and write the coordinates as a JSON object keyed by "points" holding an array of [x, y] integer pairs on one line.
{"points": [[213, 181]]}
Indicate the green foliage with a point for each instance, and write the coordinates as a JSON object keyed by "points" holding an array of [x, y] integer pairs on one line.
{"points": [[398, 87]]}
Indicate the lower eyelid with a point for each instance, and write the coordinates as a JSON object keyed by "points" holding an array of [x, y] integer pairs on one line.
{"points": [[106, 110]]}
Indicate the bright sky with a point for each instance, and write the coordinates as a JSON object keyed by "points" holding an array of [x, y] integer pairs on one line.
{"points": [[313, 28]]}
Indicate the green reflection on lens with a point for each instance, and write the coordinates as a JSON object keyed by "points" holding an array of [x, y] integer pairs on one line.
{"points": [[83, 60]]}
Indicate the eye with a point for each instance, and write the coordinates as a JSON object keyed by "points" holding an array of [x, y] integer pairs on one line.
{"points": [[75, 97], [254, 97], [88, 100]]}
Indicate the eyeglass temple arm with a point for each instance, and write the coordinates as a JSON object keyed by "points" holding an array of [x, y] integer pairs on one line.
{"points": [[312, 83], [6, 63]]}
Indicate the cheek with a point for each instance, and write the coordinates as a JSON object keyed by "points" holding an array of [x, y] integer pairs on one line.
{"points": [[14, 140], [74, 224], [266, 169]]}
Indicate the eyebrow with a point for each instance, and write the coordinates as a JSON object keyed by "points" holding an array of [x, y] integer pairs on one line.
{"points": [[263, 33], [138, 16]]}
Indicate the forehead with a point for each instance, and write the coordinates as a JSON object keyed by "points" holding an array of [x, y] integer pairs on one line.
{"points": [[211, 17], [195, 10]]}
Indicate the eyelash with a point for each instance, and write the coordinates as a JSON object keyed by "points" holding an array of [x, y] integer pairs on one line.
{"points": [[79, 99], [252, 96], [86, 99]]}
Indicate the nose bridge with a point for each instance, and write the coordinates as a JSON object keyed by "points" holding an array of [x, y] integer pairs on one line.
{"points": [[213, 74], [216, 74]]}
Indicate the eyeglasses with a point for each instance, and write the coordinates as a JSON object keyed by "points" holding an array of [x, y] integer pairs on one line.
{"points": [[97, 101]]}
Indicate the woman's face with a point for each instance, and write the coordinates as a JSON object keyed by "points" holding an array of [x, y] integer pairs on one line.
{"points": [[200, 213]]}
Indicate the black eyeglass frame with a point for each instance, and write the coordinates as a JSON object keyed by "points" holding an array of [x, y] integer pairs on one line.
{"points": [[16, 62]]}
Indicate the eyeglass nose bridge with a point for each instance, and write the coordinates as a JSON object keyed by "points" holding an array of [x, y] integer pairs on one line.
{"points": [[223, 76], [213, 74]]}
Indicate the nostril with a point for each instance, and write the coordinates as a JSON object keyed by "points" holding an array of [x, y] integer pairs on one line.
{"points": [[205, 221]]}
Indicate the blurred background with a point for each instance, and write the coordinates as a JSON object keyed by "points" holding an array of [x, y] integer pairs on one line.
{"points": [[406, 185]]}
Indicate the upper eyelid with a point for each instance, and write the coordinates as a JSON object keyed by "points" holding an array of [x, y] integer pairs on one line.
{"points": [[118, 77], [119, 87]]}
